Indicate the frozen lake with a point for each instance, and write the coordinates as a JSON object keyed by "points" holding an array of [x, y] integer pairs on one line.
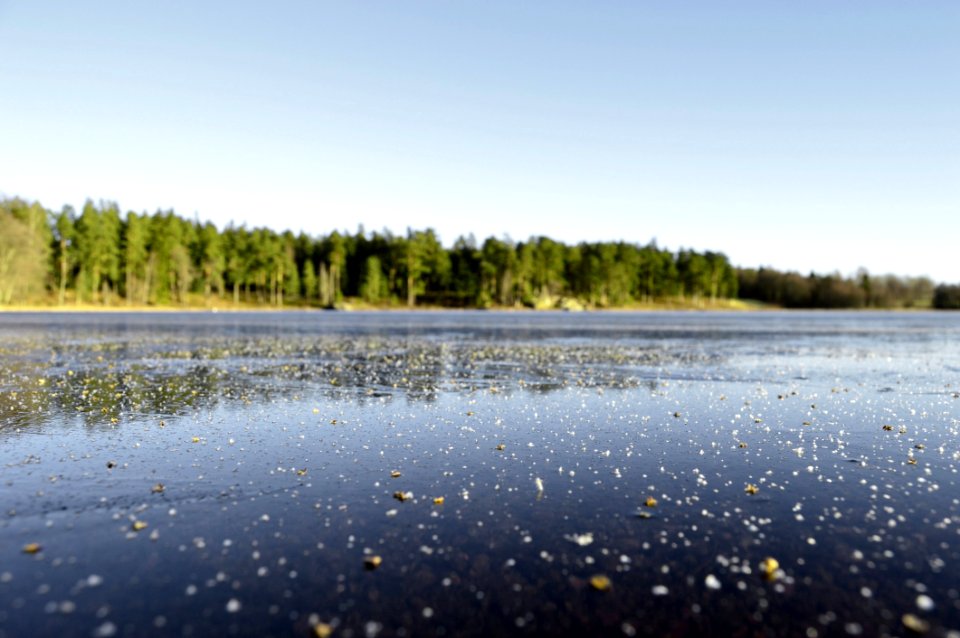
{"points": [[479, 473]]}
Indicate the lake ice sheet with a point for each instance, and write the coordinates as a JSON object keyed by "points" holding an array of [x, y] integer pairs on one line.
{"points": [[471, 473]]}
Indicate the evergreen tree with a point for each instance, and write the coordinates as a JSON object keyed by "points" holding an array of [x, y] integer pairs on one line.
{"points": [[374, 286], [309, 280], [98, 248], [64, 249], [135, 232], [236, 260], [209, 258]]}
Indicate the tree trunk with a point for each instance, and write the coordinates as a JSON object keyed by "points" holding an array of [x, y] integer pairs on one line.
{"points": [[148, 283], [63, 272], [95, 284], [280, 287]]}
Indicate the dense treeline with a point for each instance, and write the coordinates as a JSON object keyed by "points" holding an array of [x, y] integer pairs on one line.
{"points": [[947, 297], [793, 290], [99, 256]]}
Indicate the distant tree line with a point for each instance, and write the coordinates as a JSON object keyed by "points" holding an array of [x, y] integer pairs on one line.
{"points": [[947, 297], [793, 290], [99, 256]]}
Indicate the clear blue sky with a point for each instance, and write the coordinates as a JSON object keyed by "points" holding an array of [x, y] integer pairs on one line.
{"points": [[815, 135]]}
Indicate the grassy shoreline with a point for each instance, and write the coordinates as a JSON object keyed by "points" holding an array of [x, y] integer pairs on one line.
{"points": [[354, 305]]}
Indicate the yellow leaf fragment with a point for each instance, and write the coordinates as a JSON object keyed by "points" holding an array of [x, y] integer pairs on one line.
{"points": [[600, 582], [395, 474], [438, 500], [158, 488], [402, 496], [751, 488], [650, 502], [138, 526], [915, 623], [322, 630], [501, 447], [769, 567], [196, 439], [302, 472], [372, 562], [32, 548]]}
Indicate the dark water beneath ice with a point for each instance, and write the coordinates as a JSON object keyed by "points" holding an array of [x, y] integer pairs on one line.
{"points": [[258, 450]]}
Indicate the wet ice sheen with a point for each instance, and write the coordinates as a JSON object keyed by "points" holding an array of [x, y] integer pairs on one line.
{"points": [[651, 474]]}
